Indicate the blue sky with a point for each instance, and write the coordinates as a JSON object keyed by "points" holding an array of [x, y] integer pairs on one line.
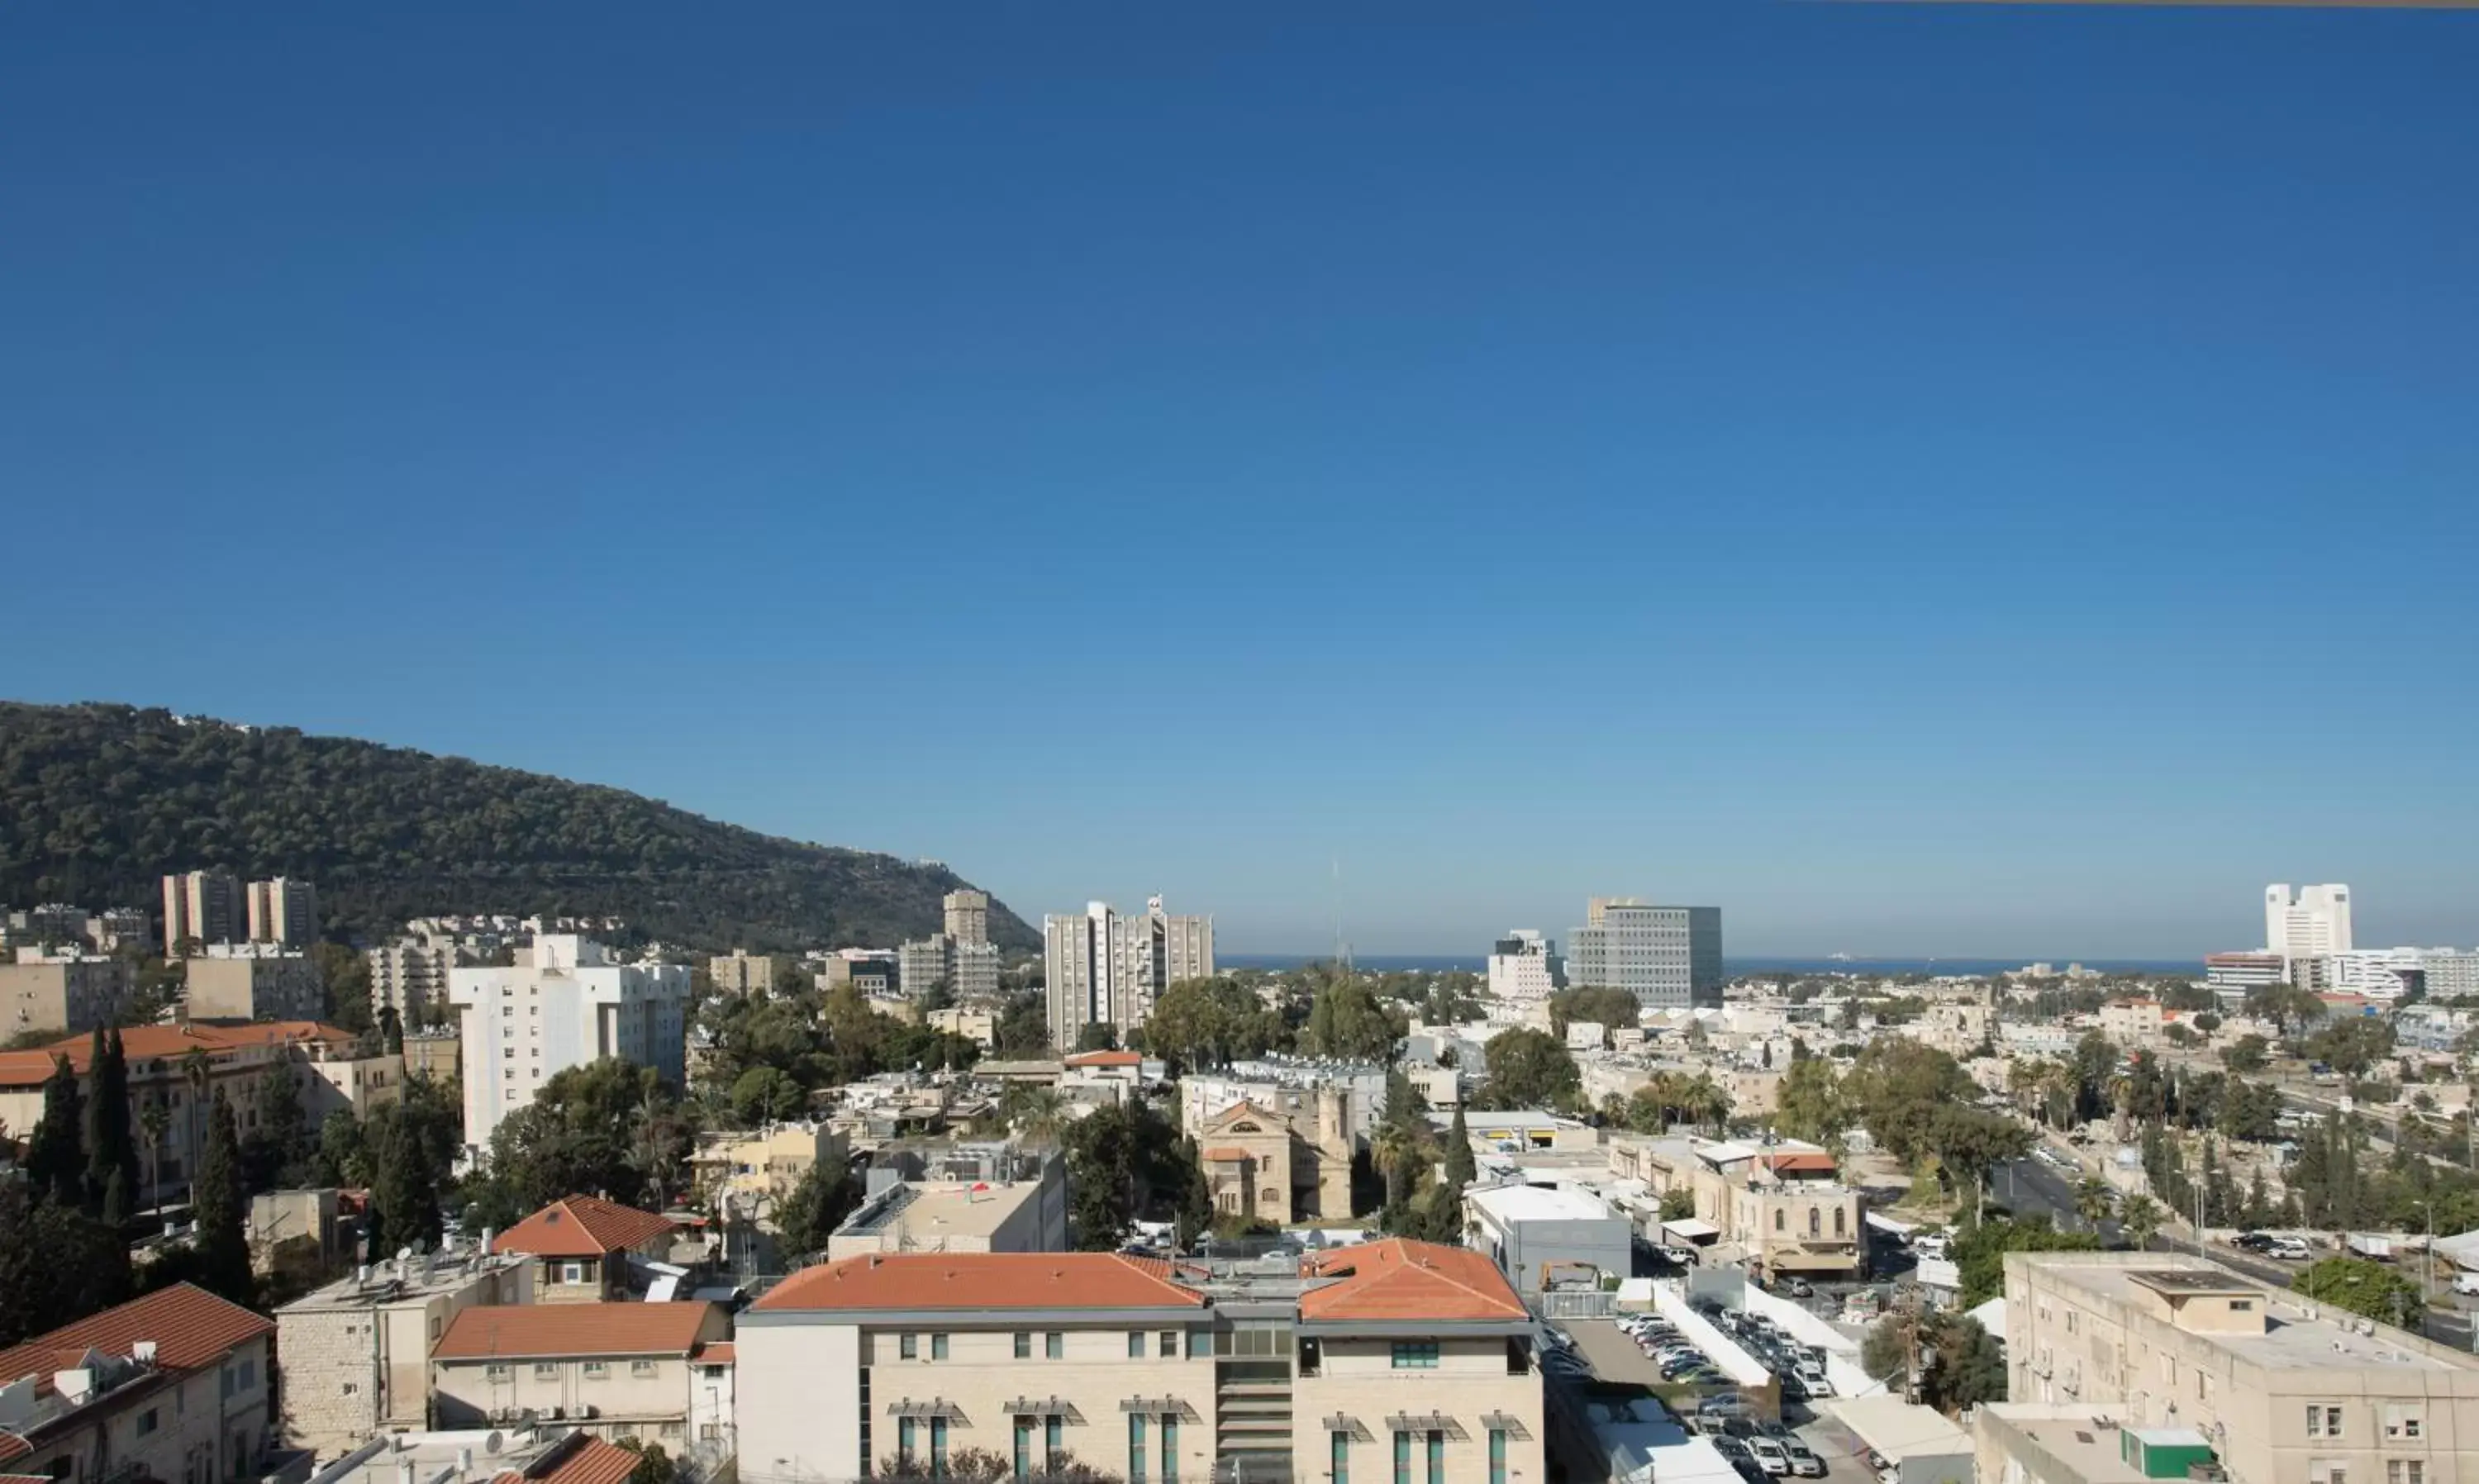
{"points": [[1928, 479]]}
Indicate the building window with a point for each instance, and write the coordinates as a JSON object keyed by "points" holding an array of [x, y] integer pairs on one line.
{"points": [[2405, 1470], [1136, 1448], [1497, 1455], [937, 1448], [907, 1434], [1023, 1346], [149, 1419], [1815, 1222], [1780, 1217], [643, 1367], [495, 1372], [571, 1272], [865, 1462], [2327, 1470], [1054, 1440], [1054, 1345], [1169, 1448], [2323, 1421], [1200, 1342], [1136, 1344], [2241, 1306], [1023, 1446], [545, 1371], [1338, 1470], [2404, 1422], [1402, 1458], [1841, 1219], [1415, 1355], [938, 1347], [909, 1347], [1437, 1458]]}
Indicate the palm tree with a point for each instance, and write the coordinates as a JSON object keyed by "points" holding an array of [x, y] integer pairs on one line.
{"points": [[1036, 1113], [153, 1120], [1392, 1147], [2140, 1218], [197, 1070], [2093, 1200]]}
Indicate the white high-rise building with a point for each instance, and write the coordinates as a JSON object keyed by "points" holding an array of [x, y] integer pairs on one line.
{"points": [[1103, 968], [2312, 923], [572, 1004], [1525, 965]]}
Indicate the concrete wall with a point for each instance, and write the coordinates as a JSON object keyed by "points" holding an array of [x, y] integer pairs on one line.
{"points": [[1357, 1379]]}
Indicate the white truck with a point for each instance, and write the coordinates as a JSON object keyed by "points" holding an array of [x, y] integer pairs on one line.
{"points": [[2465, 1282], [2372, 1244]]}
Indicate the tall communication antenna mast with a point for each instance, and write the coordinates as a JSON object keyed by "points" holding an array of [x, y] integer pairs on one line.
{"points": [[1342, 949]]}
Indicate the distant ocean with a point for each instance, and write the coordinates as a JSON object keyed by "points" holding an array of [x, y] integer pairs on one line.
{"points": [[1437, 963]]}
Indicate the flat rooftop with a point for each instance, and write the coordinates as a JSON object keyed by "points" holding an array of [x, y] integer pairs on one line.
{"points": [[395, 1282], [1537, 1203], [2292, 1340], [2073, 1437], [928, 1210]]}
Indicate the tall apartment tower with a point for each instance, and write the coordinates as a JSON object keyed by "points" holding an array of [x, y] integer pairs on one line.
{"points": [[202, 907], [968, 916], [284, 912], [572, 1004], [2312, 923], [1525, 965], [1669, 957], [1103, 968]]}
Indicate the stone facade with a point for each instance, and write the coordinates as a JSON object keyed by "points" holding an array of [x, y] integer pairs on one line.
{"points": [[1261, 1164]]}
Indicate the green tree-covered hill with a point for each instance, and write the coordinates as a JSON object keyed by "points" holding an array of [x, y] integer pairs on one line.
{"points": [[98, 801]]}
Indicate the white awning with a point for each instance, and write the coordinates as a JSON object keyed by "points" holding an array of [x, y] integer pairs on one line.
{"points": [[1691, 1229]]}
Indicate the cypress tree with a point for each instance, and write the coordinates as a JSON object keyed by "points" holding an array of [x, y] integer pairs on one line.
{"points": [[124, 1139], [405, 1199], [25, 1296], [85, 1264], [97, 1139], [1460, 1167], [223, 1243], [54, 1162], [111, 1141]]}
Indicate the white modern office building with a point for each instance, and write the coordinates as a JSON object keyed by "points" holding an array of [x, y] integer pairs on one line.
{"points": [[1666, 957], [1525, 965], [2309, 922], [572, 1004], [1105, 968]]}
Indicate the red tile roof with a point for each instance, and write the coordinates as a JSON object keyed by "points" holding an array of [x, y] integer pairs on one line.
{"points": [[582, 1226], [1398, 1279], [1226, 1152], [529, 1331], [164, 1043], [577, 1460], [1106, 1059], [718, 1353], [984, 1280], [190, 1328], [1800, 1163]]}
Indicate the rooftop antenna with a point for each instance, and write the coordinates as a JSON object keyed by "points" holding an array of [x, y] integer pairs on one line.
{"points": [[1342, 949]]}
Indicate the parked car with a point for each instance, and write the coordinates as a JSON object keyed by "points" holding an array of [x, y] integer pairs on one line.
{"points": [[1768, 1456], [1813, 1380], [2290, 1250], [2252, 1242], [1804, 1460]]}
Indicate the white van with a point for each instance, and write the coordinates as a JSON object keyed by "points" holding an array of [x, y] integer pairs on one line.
{"points": [[2465, 1282]]}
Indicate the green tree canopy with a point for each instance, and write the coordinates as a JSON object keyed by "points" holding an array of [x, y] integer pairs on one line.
{"points": [[2364, 1288], [1210, 1022], [1600, 1006], [1348, 1021], [1529, 1068]]}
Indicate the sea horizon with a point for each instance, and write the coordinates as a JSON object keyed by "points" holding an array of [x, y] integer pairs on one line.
{"points": [[1439, 963]]}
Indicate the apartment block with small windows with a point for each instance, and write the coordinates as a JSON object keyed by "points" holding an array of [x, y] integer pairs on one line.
{"points": [[172, 1386], [357, 1351], [616, 1370], [574, 1003], [1402, 1361], [255, 982], [2283, 1391]]}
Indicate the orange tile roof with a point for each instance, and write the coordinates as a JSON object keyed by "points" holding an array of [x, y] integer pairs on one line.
{"points": [[581, 1226], [1805, 1160], [717, 1353], [162, 1043], [578, 1459], [524, 1331], [1399, 1279], [1106, 1059], [1226, 1152], [190, 1328], [985, 1280]]}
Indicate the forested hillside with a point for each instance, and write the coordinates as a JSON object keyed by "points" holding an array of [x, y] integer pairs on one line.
{"points": [[97, 802]]}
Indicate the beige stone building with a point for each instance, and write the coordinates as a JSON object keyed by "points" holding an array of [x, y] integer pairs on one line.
{"points": [[1781, 1207], [174, 1386], [766, 1164], [2134, 1023], [1265, 1165], [741, 972], [63, 992], [202, 908], [960, 1215], [1959, 1027], [357, 1351], [254, 982], [2284, 1391], [581, 1245], [972, 1024], [1392, 1356], [283, 910], [438, 1055], [410, 976], [616, 1370]]}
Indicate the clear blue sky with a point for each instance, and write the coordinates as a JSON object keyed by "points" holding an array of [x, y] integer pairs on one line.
{"points": [[1928, 479]]}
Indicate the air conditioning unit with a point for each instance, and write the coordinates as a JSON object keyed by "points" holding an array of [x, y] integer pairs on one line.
{"points": [[592, 1412], [559, 1414]]}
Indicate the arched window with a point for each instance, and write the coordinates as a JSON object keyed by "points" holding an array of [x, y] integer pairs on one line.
{"points": [[1840, 1220], [1815, 1221], [1778, 1216], [1245, 1128]]}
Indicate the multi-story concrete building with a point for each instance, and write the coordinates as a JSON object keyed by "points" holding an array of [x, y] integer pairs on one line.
{"points": [[574, 1003], [357, 1351], [174, 1386], [2239, 972], [63, 990], [202, 908], [2283, 1391], [966, 970], [409, 976], [1106, 969], [971, 1023], [2449, 973], [1544, 1239], [874, 972], [117, 928], [765, 1164], [968, 916], [2375, 973], [1664, 956], [1525, 965], [1781, 1206], [741, 972], [1389, 1355], [1266, 1164], [284, 911], [616, 1370], [255, 982], [435, 1051], [582, 1248], [2312, 922], [2133, 1024]]}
